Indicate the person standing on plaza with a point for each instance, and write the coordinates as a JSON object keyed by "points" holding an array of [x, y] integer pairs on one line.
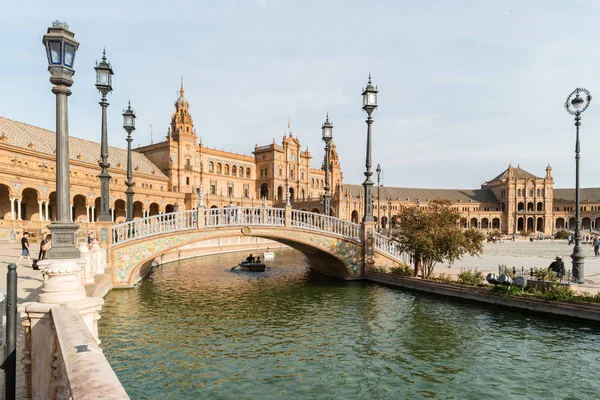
{"points": [[570, 239], [44, 247], [89, 240], [597, 246], [25, 249]]}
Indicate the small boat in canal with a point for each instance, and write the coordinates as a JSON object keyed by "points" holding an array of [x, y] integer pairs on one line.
{"points": [[252, 266], [268, 255]]}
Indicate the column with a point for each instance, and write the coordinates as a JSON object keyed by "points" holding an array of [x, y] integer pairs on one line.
{"points": [[19, 209], [12, 209], [87, 214], [112, 214], [47, 203], [93, 213], [71, 212], [40, 210]]}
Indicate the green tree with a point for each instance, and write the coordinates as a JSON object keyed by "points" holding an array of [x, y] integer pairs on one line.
{"points": [[433, 235]]}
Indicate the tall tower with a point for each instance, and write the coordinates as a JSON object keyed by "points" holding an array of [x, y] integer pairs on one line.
{"points": [[184, 163], [182, 124]]}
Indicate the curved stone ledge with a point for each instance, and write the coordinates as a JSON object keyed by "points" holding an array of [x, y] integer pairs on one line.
{"points": [[564, 309]]}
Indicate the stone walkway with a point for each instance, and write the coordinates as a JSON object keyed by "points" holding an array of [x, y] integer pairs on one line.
{"points": [[526, 254]]}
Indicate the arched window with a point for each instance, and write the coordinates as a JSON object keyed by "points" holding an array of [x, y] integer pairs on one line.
{"points": [[234, 170], [211, 167], [226, 169], [247, 172], [219, 168], [241, 172], [312, 182]]}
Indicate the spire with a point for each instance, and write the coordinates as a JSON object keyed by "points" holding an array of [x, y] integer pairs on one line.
{"points": [[181, 89], [369, 78]]}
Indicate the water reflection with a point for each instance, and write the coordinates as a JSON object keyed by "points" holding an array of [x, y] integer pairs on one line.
{"points": [[196, 329]]}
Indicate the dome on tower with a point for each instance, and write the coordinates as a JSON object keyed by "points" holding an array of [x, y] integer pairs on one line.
{"points": [[181, 101]]}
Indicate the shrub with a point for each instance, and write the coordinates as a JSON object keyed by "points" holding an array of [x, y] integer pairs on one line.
{"points": [[402, 270], [543, 274], [379, 270], [559, 292], [562, 234], [525, 233], [507, 290], [443, 277], [587, 296], [470, 277]]}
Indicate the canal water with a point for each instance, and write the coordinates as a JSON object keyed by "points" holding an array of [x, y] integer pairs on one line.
{"points": [[198, 330]]}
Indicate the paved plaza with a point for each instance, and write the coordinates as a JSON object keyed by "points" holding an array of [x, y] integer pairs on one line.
{"points": [[526, 254]]}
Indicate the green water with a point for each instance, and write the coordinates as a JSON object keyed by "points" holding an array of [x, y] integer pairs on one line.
{"points": [[197, 330]]}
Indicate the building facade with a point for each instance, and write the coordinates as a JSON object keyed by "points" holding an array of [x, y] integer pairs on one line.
{"points": [[171, 174]]}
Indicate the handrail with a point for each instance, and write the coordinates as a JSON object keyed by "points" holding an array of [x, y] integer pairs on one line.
{"points": [[389, 247], [237, 216], [80, 369], [243, 216], [324, 223], [156, 224]]}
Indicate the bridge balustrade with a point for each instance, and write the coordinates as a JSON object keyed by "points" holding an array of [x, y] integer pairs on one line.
{"points": [[237, 216], [323, 223], [154, 225], [390, 247]]}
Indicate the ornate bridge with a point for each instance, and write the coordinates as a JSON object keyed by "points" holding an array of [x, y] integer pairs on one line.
{"points": [[332, 245]]}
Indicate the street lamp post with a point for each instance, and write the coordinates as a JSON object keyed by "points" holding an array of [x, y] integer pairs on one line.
{"points": [[389, 221], [369, 105], [378, 169], [104, 75], [60, 50], [129, 126], [327, 133], [576, 105]]}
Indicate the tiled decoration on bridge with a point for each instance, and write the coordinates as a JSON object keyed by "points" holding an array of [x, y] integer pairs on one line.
{"points": [[349, 252], [128, 257], [125, 259]]}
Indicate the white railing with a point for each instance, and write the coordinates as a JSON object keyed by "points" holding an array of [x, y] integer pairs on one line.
{"points": [[236, 216], [388, 246], [155, 225], [322, 223]]}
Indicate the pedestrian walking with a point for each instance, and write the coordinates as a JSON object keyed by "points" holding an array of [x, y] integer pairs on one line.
{"points": [[570, 239], [25, 249], [597, 246]]}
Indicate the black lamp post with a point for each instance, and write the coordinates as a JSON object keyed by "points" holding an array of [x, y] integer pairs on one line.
{"points": [[104, 75], [576, 105], [327, 132], [389, 221], [369, 105], [129, 126], [378, 169], [60, 50]]}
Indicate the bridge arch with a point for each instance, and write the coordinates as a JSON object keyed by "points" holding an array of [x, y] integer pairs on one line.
{"points": [[331, 245]]}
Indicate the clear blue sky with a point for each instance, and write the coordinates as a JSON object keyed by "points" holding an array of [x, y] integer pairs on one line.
{"points": [[465, 86]]}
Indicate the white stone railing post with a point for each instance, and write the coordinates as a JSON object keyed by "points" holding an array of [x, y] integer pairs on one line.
{"points": [[62, 286], [86, 271]]}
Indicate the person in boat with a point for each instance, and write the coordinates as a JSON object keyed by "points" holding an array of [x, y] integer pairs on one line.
{"points": [[258, 259], [250, 259], [268, 250]]}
